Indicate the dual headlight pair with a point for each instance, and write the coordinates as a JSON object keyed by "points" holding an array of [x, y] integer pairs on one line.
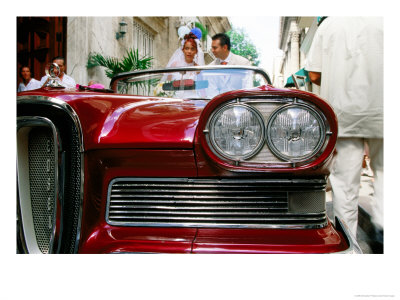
{"points": [[293, 132]]}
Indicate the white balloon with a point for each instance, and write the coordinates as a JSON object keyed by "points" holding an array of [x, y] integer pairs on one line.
{"points": [[182, 31]]}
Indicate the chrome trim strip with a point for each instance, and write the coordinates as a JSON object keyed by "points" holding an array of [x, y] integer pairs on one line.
{"points": [[33, 99], [30, 122], [56, 103], [266, 99], [354, 248], [197, 225]]}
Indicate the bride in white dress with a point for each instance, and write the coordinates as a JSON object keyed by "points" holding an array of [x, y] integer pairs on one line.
{"points": [[189, 54]]}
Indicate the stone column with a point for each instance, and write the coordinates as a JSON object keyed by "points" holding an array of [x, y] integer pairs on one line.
{"points": [[295, 52], [77, 44]]}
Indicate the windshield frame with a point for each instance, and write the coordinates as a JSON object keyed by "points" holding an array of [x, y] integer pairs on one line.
{"points": [[121, 76]]}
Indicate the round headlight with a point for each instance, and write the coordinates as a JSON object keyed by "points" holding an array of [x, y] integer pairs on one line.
{"points": [[237, 131], [295, 132]]}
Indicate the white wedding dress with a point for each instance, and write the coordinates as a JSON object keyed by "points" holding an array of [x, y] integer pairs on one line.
{"points": [[177, 60]]}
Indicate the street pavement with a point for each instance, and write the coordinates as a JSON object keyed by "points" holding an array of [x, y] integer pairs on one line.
{"points": [[365, 227]]}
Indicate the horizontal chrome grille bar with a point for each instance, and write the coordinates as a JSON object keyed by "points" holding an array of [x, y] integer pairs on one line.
{"points": [[191, 191], [226, 200], [158, 207], [208, 212], [232, 203], [222, 184], [214, 218], [199, 197], [214, 187]]}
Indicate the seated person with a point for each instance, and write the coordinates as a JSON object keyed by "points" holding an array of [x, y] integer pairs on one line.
{"points": [[188, 54], [64, 79], [28, 83]]}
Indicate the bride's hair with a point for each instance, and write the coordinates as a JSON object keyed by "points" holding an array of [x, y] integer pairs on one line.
{"points": [[190, 37]]}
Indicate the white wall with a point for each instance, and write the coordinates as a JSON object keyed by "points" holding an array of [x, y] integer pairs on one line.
{"points": [[94, 34]]}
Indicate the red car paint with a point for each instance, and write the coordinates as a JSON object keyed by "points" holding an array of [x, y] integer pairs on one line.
{"points": [[119, 121]]}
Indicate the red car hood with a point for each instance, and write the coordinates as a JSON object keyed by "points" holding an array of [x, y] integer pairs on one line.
{"points": [[116, 121], [124, 121]]}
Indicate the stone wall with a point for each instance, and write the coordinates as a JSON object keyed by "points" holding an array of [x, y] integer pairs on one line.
{"points": [[91, 34]]}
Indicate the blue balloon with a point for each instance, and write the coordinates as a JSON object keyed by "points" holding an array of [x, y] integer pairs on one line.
{"points": [[197, 32]]}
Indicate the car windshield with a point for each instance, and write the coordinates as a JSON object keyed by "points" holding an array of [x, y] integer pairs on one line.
{"points": [[193, 83]]}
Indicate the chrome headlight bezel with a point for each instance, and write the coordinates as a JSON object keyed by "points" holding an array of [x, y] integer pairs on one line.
{"points": [[211, 125], [322, 131]]}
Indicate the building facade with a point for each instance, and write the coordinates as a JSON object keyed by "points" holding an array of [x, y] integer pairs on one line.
{"points": [[295, 38], [77, 37]]}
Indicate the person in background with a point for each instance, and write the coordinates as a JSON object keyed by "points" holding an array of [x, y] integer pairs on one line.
{"points": [[64, 79], [28, 83], [346, 60], [221, 48]]}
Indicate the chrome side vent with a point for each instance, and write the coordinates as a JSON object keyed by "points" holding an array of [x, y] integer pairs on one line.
{"points": [[226, 203], [42, 185], [38, 153]]}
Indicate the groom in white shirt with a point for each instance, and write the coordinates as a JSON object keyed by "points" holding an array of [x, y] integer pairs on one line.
{"points": [[221, 48], [234, 79]]}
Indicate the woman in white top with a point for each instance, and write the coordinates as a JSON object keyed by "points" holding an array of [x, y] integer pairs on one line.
{"points": [[189, 54], [28, 83]]}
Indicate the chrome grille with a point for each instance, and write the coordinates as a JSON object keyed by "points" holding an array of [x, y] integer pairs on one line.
{"points": [[42, 184], [177, 202]]}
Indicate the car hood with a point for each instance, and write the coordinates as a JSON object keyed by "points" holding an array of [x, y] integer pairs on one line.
{"points": [[137, 122], [115, 121]]}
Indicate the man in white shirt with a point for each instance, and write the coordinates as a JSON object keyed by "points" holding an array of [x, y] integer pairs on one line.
{"points": [[346, 59], [64, 79], [28, 83], [221, 48]]}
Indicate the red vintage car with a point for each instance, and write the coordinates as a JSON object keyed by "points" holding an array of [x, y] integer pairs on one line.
{"points": [[185, 160]]}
